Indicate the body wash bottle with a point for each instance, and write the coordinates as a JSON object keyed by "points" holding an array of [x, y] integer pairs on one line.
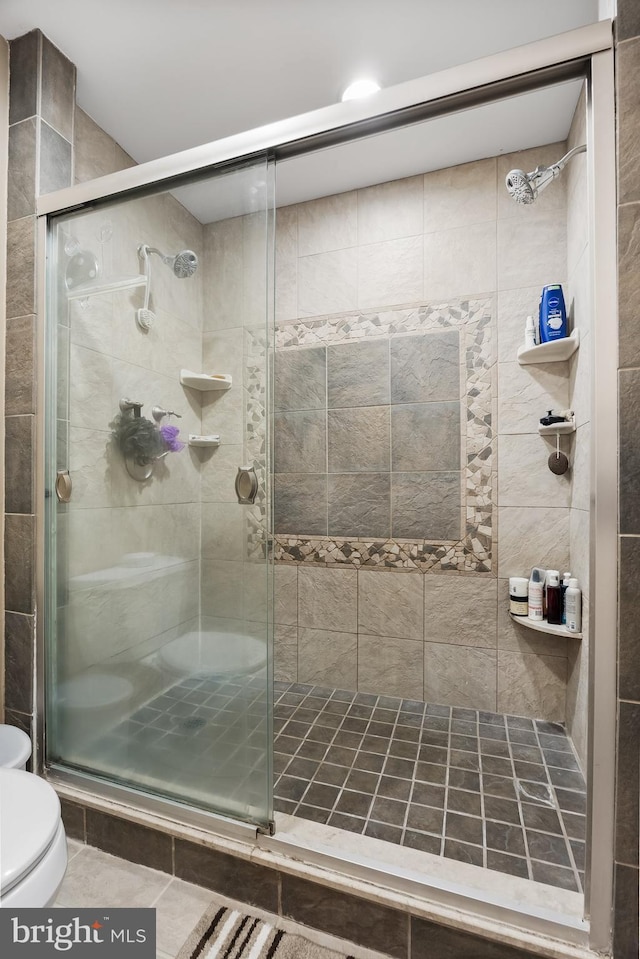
{"points": [[536, 589]]}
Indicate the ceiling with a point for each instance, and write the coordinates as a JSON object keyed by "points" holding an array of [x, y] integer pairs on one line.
{"points": [[161, 76]]}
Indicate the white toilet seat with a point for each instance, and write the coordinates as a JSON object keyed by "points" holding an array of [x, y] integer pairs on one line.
{"points": [[15, 747], [32, 839]]}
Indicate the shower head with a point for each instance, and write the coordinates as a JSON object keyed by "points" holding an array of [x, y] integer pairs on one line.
{"points": [[526, 187], [183, 264]]}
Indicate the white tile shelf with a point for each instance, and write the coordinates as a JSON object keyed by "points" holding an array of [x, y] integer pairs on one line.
{"points": [[204, 441], [545, 627], [205, 382], [553, 352]]}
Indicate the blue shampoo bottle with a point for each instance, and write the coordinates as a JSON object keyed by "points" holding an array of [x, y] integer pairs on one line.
{"points": [[553, 315]]}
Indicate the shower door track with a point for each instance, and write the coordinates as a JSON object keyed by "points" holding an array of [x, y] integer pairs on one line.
{"points": [[584, 52]]}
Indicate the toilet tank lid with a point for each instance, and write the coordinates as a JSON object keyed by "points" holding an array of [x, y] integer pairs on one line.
{"points": [[15, 746], [29, 818]]}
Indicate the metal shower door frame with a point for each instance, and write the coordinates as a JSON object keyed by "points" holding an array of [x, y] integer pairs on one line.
{"points": [[586, 52]]}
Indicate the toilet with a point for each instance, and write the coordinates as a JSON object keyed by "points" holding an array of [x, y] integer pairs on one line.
{"points": [[32, 837]]}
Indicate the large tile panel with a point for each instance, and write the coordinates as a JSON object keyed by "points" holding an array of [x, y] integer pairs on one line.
{"points": [[460, 610], [358, 374], [300, 379], [328, 658], [460, 261], [300, 442], [300, 504], [532, 686], [390, 604], [425, 436], [359, 505], [425, 368], [460, 676], [358, 440], [426, 506], [327, 599], [390, 666]]}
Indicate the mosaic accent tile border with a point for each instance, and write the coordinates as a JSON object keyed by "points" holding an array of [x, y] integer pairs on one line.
{"points": [[472, 553]]}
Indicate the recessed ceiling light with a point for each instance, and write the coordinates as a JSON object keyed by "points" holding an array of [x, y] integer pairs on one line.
{"points": [[360, 88]]}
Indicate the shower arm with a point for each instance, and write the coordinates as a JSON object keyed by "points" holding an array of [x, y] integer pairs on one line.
{"points": [[557, 167]]}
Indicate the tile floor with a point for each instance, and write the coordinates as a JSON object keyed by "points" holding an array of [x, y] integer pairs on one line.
{"points": [[502, 792]]}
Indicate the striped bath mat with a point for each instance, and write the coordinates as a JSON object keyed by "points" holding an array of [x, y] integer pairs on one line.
{"points": [[224, 933]]}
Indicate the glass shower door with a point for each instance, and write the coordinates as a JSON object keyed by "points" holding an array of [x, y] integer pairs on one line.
{"points": [[159, 581]]}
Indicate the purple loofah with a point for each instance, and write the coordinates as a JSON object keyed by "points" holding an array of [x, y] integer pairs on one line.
{"points": [[170, 436]]}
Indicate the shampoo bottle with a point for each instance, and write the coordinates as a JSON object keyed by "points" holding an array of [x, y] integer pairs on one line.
{"points": [[554, 598], [573, 605], [564, 585], [553, 315], [536, 589]]}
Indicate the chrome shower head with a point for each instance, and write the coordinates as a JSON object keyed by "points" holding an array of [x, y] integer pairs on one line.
{"points": [[526, 187], [183, 264]]}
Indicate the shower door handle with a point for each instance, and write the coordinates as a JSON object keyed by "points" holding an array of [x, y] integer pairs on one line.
{"points": [[64, 486], [246, 485]]}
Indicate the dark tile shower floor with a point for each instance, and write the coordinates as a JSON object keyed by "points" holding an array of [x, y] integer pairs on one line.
{"points": [[497, 791]]}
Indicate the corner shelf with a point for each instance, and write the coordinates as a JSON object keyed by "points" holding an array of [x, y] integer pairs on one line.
{"points": [[543, 626], [204, 441], [558, 429], [553, 352], [205, 382]]}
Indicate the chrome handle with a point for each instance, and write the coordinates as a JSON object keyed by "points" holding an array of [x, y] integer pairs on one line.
{"points": [[246, 485], [64, 486]]}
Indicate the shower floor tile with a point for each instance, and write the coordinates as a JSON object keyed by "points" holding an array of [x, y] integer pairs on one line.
{"points": [[502, 792]]}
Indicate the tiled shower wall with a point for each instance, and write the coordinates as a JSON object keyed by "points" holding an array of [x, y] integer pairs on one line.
{"points": [[628, 771], [41, 116], [440, 238]]}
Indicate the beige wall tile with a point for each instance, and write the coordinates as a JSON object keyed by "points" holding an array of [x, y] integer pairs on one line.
{"points": [[460, 610], [525, 393], [578, 694], [222, 588], [223, 278], [327, 599], [580, 381], [388, 211], [330, 223], [286, 275], [286, 594], [460, 262], [222, 532], [579, 547], [513, 308], [581, 468], [390, 272], [285, 654], [327, 658], [460, 676], [524, 476], [89, 463], [218, 469], [533, 686], [327, 282], [90, 393], [532, 251], [532, 536], [390, 604], [460, 195], [390, 666]]}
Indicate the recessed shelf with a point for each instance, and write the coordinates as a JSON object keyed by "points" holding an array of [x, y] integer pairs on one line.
{"points": [[205, 382], [113, 285], [544, 627], [204, 441], [553, 352]]}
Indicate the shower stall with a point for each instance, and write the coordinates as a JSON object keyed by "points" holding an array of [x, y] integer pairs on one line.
{"points": [[285, 427]]}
